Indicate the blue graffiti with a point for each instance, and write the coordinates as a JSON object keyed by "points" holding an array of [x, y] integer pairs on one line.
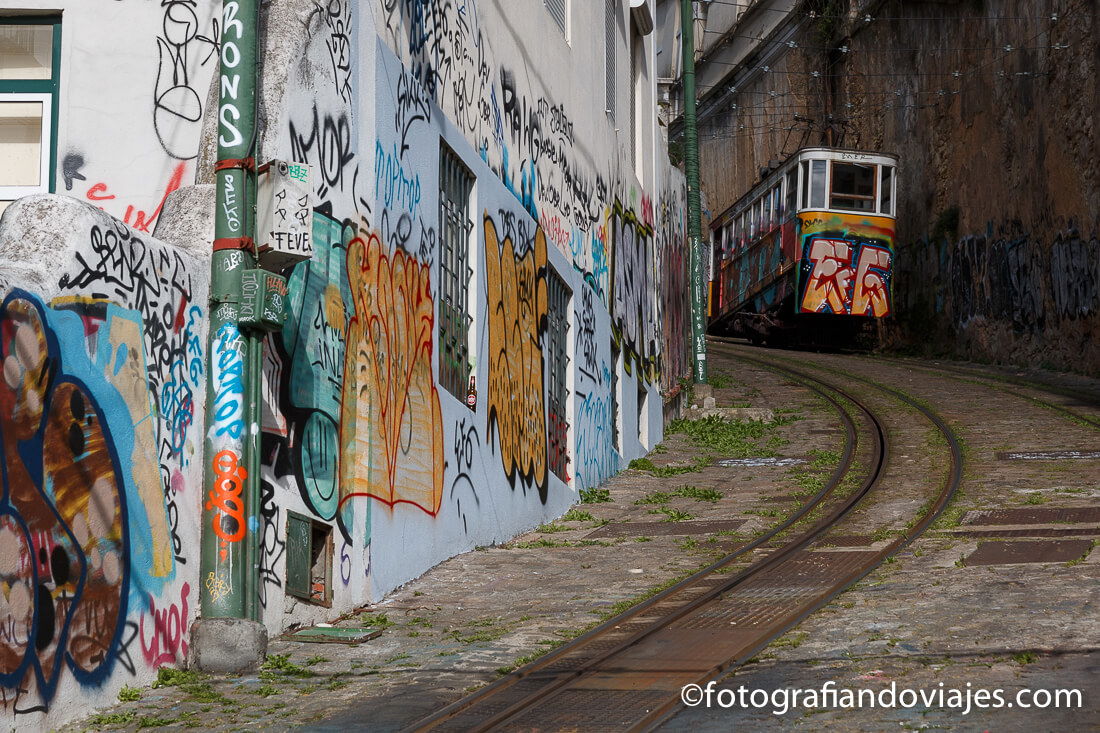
{"points": [[229, 383]]}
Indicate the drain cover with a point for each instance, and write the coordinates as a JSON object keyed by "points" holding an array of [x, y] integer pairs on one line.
{"points": [[335, 634], [1049, 455], [1011, 552], [645, 529], [729, 462], [1051, 515]]}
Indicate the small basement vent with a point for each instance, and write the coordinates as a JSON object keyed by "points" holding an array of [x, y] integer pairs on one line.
{"points": [[308, 559]]}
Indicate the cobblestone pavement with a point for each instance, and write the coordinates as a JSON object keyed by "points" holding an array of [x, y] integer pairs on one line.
{"points": [[926, 619]]}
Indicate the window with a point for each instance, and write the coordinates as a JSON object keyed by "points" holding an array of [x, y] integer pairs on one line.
{"points": [[887, 188], [792, 192], [557, 340], [29, 61], [817, 185], [853, 187], [636, 55], [805, 199], [559, 11], [616, 398], [456, 183], [777, 204], [766, 216], [610, 19]]}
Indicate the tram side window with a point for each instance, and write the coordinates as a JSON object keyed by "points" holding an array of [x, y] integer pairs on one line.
{"points": [[792, 191], [766, 220], [735, 237], [887, 206], [817, 185], [805, 185], [743, 229], [777, 205], [853, 187]]}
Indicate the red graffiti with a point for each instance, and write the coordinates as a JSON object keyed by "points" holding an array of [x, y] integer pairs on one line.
{"points": [[839, 284], [551, 224], [225, 498], [142, 221], [647, 211], [871, 291], [831, 279], [168, 643]]}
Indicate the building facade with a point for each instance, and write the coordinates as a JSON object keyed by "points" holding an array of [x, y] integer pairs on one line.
{"points": [[493, 318]]}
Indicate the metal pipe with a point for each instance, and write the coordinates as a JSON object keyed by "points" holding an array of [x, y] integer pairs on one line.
{"points": [[224, 563], [691, 169]]}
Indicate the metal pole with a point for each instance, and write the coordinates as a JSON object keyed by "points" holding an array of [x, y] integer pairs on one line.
{"points": [[227, 486], [691, 168]]}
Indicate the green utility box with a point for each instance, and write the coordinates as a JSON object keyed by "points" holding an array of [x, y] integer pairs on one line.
{"points": [[263, 300]]}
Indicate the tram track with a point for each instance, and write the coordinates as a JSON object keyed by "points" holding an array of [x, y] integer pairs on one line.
{"points": [[1000, 382], [627, 672]]}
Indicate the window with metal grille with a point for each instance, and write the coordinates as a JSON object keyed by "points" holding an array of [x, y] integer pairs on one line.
{"points": [[635, 72], [557, 340], [610, 19], [559, 11], [616, 399], [455, 186]]}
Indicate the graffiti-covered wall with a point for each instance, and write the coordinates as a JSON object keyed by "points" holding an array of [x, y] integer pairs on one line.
{"points": [[564, 250], [102, 346]]}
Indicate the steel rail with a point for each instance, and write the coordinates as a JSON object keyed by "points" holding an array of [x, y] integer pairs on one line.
{"points": [[951, 483], [558, 681]]}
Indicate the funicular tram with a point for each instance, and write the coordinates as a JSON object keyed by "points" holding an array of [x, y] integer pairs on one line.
{"points": [[806, 255]]}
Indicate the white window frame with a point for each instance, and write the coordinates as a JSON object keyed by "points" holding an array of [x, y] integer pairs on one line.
{"points": [[11, 193]]}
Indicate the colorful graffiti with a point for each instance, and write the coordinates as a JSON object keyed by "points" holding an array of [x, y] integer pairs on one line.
{"points": [[66, 507], [633, 293], [516, 294], [304, 372], [846, 265], [391, 426]]}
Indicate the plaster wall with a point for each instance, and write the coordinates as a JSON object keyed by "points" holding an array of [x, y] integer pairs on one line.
{"points": [[133, 84]]}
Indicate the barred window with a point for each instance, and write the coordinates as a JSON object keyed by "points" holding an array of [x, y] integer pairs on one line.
{"points": [[559, 11], [456, 183], [557, 338], [610, 34], [616, 400]]}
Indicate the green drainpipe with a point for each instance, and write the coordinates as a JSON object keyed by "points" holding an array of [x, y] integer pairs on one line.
{"points": [[230, 485], [691, 168]]}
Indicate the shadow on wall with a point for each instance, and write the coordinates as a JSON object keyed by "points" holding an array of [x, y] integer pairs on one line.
{"points": [[1007, 296]]}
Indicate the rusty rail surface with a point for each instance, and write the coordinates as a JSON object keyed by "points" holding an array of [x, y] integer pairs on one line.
{"points": [[627, 672]]}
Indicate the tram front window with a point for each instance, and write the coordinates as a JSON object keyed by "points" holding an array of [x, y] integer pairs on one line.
{"points": [[853, 187]]}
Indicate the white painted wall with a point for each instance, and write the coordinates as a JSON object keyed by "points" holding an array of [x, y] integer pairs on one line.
{"points": [[134, 80]]}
